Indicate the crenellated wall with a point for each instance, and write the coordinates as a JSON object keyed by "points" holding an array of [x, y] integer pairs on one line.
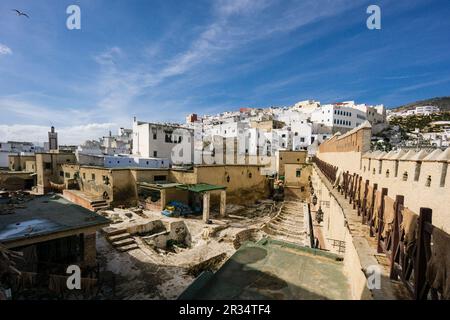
{"points": [[421, 176]]}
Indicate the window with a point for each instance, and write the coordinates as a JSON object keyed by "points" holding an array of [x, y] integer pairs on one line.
{"points": [[283, 135], [302, 139], [61, 173], [92, 176], [405, 176], [155, 153], [249, 175], [154, 136], [168, 137], [387, 173], [67, 175], [84, 175], [298, 173], [296, 134], [428, 182], [159, 178], [47, 165]]}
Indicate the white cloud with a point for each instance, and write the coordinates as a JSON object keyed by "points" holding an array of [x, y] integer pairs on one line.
{"points": [[4, 50], [71, 135]]}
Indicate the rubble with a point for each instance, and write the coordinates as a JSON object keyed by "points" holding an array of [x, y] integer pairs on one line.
{"points": [[11, 200]]}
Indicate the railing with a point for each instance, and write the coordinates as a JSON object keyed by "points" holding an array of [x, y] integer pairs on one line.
{"points": [[409, 253], [328, 170]]}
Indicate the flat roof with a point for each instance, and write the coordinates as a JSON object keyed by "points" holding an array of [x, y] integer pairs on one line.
{"points": [[200, 187], [158, 185], [47, 215], [272, 269]]}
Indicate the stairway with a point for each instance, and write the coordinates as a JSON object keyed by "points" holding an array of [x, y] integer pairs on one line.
{"points": [[288, 224], [122, 240], [97, 205]]}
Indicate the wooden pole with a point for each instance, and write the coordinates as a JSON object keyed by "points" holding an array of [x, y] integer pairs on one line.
{"points": [[420, 268]]}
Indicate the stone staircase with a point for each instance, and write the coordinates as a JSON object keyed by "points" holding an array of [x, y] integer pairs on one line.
{"points": [[288, 225], [122, 240], [98, 205]]}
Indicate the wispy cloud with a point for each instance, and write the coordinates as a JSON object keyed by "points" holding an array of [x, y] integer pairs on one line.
{"points": [[4, 50]]}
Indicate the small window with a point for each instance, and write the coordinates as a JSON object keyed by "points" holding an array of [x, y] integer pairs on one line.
{"points": [[61, 173], [67, 175], [298, 173], [249, 175], [405, 176], [298, 159], [92, 176], [159, 178], [47, 165], [84, 175], [154, 136], [387, 173], [155, 153], [146, 162], [228, 179], [428, 182]]}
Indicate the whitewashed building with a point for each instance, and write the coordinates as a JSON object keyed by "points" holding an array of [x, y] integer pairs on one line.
{"points": [[167, 141]]}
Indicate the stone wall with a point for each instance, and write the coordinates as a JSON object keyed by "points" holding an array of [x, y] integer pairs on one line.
{"points": [[421, 176]]}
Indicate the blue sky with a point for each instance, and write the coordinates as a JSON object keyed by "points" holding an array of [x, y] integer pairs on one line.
{"points": [[160, 60]]}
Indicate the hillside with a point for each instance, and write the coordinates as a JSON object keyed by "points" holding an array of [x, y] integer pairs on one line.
{"points": [[442, 102]]}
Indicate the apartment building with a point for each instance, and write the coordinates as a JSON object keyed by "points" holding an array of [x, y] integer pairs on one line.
{"points": [[167, 141]]}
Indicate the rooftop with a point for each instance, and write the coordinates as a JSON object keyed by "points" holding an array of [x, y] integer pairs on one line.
{"points": [[47, 215], [273, 269]]}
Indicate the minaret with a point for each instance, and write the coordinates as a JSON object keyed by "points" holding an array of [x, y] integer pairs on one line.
{"points": [[52, 139]]}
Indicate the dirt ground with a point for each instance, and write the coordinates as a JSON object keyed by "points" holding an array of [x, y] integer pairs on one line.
{"points": [[149, 273]]}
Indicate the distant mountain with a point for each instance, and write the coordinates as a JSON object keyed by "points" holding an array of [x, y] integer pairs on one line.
{"points": [[442, 102]]}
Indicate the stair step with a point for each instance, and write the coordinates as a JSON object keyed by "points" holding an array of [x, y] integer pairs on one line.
{"points": [[101, 208], [124, 242], [128, 247], [118, 237], [286, 230], [100, 204], [97, 201], [274, 231], [291, 219]]}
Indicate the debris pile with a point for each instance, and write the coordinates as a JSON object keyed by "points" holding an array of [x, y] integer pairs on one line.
{"points": [[11, 200]]}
